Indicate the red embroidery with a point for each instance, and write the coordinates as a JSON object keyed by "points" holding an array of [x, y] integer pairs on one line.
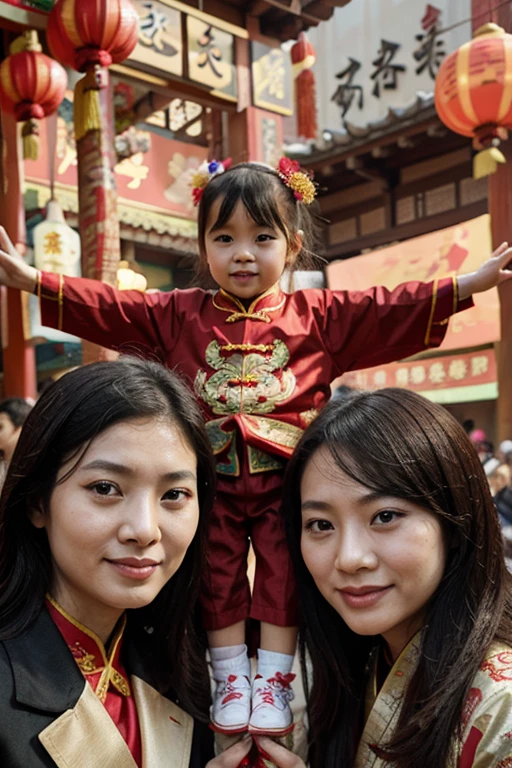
{"points": [[473, 700], [499, 666]]}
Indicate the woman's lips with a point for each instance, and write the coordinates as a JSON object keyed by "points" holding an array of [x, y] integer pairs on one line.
{"points": [[134, 568], [363, 597]]}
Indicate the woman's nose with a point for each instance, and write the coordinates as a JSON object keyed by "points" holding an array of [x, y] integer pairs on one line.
{"points": [[355, 552], [141, 522]]}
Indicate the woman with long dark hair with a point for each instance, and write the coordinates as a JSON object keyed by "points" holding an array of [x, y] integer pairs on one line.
{"points": [[406, 640], [102, 528]]}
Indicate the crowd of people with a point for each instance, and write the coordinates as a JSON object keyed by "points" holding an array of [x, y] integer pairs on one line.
{"points": [[134, 492]]}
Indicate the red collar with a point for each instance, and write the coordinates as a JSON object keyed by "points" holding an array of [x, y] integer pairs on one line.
{"points": [[101, 667], [270, 301]]}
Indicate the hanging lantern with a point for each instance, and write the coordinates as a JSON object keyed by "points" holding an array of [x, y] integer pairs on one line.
{"points": [[303, 58], [56, 244], [473, 94], [90, 36], [31, 87]]}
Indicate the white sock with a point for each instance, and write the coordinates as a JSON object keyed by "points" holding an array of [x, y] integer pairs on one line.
{"points": [[270, 662], [230, 660]]}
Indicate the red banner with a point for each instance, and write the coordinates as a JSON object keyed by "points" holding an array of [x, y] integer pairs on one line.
{"points": [[455, 250]]}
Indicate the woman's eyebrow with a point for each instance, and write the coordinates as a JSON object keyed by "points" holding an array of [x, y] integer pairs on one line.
{"points": [[111, 466]]}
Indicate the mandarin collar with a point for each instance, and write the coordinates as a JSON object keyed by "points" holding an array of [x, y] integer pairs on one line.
{"points": [[270, 301], [101, 666]]}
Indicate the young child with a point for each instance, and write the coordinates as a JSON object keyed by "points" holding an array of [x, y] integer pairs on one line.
{"points": [[406, 600], [261, 363]]}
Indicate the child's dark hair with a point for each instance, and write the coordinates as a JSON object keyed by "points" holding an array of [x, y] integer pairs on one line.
{"points": [[16, 408], [268, 201]]}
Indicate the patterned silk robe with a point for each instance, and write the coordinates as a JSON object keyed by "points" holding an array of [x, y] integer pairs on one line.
{"points": [[486, 740]]}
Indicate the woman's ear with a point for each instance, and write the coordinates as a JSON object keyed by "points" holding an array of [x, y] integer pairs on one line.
{"points": [[37, 516]]}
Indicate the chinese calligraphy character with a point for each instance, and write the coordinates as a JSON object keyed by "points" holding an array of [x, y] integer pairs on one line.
{"points": [[52, 244], [211, 54], [379, 378], [418, 374], [402, 377], [436, 373], [385, 75], [154, 29], [479, 365], [458, 369], [346, 92], [430, 51]]}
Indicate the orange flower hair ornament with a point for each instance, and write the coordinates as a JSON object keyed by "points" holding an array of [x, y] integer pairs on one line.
{"points": [[301, 184], [204, 174]]}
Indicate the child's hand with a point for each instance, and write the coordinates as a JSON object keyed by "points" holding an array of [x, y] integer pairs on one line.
{"points": [[14, 272], [492, 272]]}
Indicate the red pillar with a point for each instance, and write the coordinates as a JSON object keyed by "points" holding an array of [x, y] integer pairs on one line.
{"points": [[500, 208], [18, 357]]}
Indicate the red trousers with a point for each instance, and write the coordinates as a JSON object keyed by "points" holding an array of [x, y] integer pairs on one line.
{"points": [[247, 510]]}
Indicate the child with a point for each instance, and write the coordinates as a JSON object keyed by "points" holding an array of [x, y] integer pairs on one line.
{"points": [[102, 529], [407, 604], [260, 363]]}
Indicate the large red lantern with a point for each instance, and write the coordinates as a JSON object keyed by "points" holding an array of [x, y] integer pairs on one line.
{"points": [[89, 36], [303, 58], [473, 94], [31, 87]]}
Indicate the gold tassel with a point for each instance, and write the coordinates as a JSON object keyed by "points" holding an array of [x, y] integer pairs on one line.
{"points": [[30, 138], [486, 162], [87, 105]]}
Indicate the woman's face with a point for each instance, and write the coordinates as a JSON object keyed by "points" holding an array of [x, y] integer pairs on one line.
{"points": [[119, 526], [377, 560]]}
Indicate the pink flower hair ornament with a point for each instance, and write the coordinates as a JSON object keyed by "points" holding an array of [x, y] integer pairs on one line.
{"points": [[204, 174]]}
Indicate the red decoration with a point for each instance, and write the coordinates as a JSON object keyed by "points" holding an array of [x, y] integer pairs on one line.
{"points": [[88, 36], [473, 94], [303, 58], [31, 87]]}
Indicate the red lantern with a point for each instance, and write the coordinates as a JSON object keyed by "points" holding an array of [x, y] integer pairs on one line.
{"points": [[473, 94], [31, 87], [303, 58], [88, 36]]}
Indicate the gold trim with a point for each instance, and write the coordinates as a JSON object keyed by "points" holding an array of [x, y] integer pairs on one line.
{"points": [[60, 299], [251, 312], [432, 310], [262, 104], [248, 347]]}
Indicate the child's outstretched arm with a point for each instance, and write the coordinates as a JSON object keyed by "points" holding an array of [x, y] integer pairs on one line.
{"points": [[492, 272], [92, 310]]}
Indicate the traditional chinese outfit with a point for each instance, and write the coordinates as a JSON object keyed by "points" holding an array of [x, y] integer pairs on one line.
{"points": [[67, 702], [261, 374], [486, 737]]}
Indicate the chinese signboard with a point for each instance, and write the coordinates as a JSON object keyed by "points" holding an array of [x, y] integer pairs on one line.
{"points": [[447, 372], [271, 78], [211, 56], [160, 46], [377, 54], [448, 251]]}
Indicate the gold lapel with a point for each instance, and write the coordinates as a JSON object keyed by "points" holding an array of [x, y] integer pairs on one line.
{"points": [[166, 731], [86, 733], [386, 705]]}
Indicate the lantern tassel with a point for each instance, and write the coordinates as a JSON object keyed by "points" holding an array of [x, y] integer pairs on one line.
{"points": [[87, 105], [30, 138], [486, 162], [305, 104]]}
